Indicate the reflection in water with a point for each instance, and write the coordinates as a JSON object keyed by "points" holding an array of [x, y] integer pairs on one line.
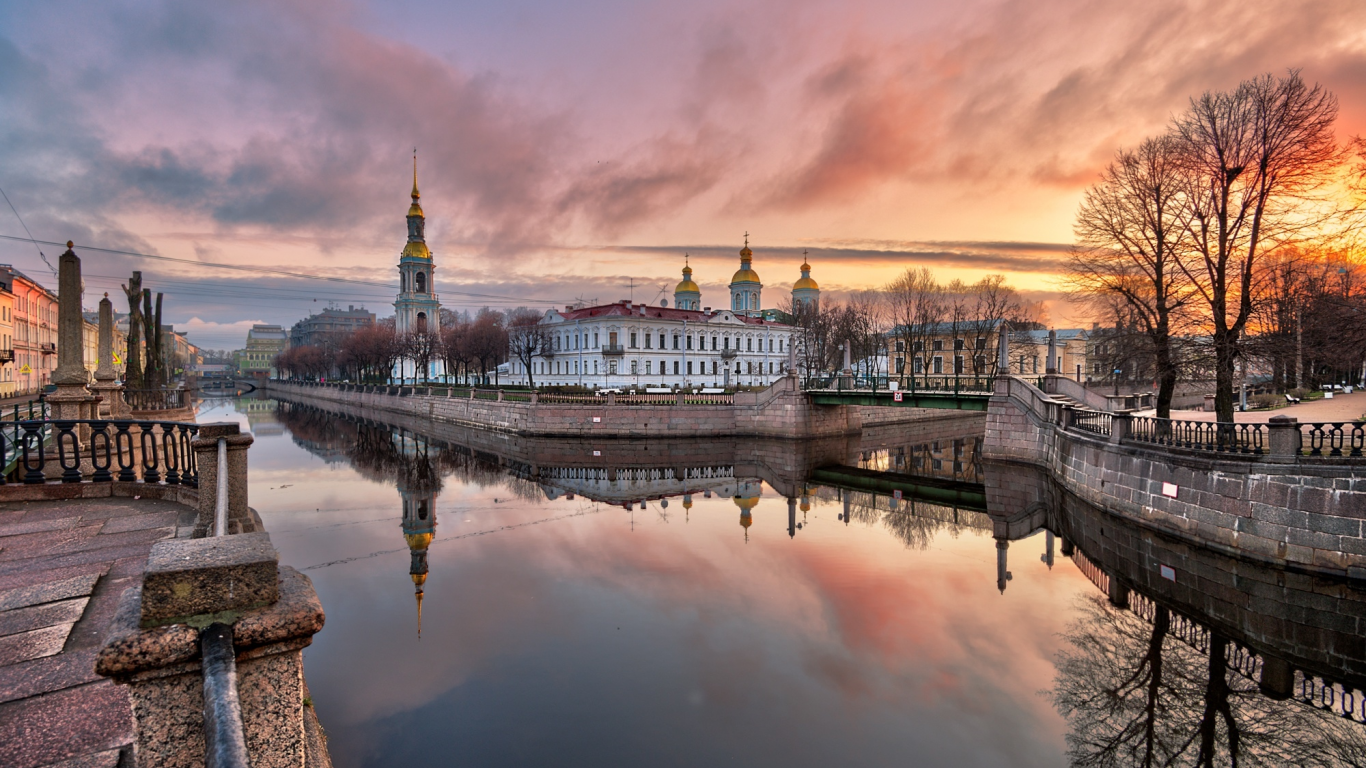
{"points": [[1160, 690], [1146, 668]]}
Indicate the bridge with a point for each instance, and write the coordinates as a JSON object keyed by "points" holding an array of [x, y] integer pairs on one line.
{"points": [[957, 393]]}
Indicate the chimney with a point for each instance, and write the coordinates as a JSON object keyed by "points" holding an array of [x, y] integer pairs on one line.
{"points": [[569, 307]]}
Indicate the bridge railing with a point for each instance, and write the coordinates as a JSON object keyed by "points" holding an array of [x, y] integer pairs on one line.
{"points": [[913, 384]]}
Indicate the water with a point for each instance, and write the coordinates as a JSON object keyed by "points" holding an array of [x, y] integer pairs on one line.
{"points": [[556, 626]]}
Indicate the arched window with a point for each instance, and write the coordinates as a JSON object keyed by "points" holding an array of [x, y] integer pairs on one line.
{"points": [[421, 322], [421, 282]]}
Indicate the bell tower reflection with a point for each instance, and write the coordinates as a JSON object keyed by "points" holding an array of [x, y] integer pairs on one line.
{"points": [[418, 486]]}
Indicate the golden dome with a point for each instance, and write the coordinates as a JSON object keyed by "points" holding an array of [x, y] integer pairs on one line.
{"points": [[805, 283], [746, 519], [806, 504], [418, 540], [419, 579], [687, 503], [745, 275], [417, 250], [746, 503], [415, 209]]}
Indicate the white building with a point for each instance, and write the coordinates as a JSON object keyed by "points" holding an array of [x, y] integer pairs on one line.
{"points": [[640, 346]]}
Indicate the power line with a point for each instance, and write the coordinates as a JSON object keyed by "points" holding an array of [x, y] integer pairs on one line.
{"points": [[260, 270], [41, 255]]}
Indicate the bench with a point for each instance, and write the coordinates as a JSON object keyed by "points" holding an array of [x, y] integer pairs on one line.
{"points": [[1291, 399]]}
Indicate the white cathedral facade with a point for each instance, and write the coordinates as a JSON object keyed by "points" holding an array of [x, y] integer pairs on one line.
{"points": [[630, 345]]}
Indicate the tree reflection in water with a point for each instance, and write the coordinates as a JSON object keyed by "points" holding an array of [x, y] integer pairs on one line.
{"points": [[1138, 694]]}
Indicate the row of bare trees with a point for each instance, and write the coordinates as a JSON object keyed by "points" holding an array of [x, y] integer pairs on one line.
{"points": [[909, 313], [146, 366], [1226, 228], [470, 349]]}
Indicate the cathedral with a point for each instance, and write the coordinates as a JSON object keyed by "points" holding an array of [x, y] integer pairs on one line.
{"points": [[638, 345]]}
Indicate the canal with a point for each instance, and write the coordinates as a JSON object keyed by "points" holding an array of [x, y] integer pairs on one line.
{"points": [[496, 601]]}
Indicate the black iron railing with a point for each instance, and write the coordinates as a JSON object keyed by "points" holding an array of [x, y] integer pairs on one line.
{"points": [[1216, 436], [111, 449], [1333, 438], [1095, 422], [155, 399]]}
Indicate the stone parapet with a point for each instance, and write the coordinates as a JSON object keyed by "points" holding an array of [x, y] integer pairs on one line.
{"points": [[1275, 509]]}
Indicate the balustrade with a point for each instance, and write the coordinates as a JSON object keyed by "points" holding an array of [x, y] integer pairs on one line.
{"points": [[152, 451]]}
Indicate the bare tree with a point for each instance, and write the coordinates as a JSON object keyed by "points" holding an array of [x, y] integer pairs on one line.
{"points": [[527, 339], [421, 346], [133, 369], [1257, 161], [994, 303], [1131, 232], [916, 308]]}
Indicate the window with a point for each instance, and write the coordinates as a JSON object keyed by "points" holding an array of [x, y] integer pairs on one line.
{"points": [[634, 370], [633, 344], [675, 343], [690, 344], [421, 282], [918, 346], [647, 366], [939, 365], [957, 343], [675, 367], [981, 342], [957, 363], [901, 346], [662, 368], [647, 342], [689, 367], [938, 344], [612, 367], [727, 342], [901, 365], [595, 367], [713, 346], [713, 363], [612, 339], [749, 345], [661, 341], [1036, 364], [595, 340]]}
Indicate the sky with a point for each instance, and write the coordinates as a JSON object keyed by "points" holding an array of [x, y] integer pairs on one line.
{"points": [[577, 150]]}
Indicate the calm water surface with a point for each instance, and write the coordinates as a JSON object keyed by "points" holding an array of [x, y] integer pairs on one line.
{"points": [[560, 621]]}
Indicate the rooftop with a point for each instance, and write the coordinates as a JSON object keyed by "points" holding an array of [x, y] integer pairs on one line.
{"points": [[626, 308]]}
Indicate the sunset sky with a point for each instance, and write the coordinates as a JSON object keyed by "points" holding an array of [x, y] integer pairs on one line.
{"points": [[568, 147]]}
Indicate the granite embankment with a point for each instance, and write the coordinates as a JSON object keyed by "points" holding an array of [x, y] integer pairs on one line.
{"points": [[1280, 507], [781, 411]]}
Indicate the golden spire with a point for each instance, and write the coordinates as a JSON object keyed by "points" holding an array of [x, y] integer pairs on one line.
{"points": [[419, 613], [416, 194]]}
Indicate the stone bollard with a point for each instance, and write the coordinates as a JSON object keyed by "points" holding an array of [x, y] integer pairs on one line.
{"points": [[154, 648], [1119, 426], [535, 398], [1284, 438], [241, 519], [611, 398], [500, 395], [1119, 594]]}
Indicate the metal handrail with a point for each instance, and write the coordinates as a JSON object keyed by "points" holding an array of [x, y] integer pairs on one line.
{"points": [[225, 742]]}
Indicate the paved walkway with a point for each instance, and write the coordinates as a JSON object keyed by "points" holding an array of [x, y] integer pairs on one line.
{"points": [[63, 567], [1340, 408]]}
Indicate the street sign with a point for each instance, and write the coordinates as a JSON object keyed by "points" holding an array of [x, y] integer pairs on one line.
{"points": [[896, 397], [117, 361], [896, 495], [25, 369]]}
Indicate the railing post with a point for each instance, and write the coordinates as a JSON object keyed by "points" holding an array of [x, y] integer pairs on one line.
{"points": [[1119, 427], [1283, 436], [197, 700], [240, 518]]}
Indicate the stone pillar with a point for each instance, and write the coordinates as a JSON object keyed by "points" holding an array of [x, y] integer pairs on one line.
{"points": [[1002, 575], [241, 519], [71, 400], [1284, 437], [1050, 365], [154, 649], [1119, 594], [110, 392], [1047, 557], [1119, 426], [1277, 679], [1067, 548], [791, 518]]}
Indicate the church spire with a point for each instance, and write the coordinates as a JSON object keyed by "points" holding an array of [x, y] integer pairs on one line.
{"points": [[416, 194]]}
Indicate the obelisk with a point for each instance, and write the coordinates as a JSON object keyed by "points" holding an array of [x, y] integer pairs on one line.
{"points": [[71, 400], [106, 385]]}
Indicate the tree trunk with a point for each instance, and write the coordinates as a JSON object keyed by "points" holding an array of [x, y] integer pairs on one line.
{"points": [[1225, 351]]}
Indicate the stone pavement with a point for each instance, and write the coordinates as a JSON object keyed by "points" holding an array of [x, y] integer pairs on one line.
{"points": [[1340, 408], [63, 567]]}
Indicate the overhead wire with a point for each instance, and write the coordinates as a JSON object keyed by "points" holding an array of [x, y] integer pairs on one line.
{"points": [[266, 270], [41, 255]]}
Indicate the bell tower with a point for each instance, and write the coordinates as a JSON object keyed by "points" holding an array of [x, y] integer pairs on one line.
{"points": [[745, 287], [417, 307]]}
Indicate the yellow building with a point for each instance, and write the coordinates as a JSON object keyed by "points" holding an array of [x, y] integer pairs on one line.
{"points": [[6, 343]]}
